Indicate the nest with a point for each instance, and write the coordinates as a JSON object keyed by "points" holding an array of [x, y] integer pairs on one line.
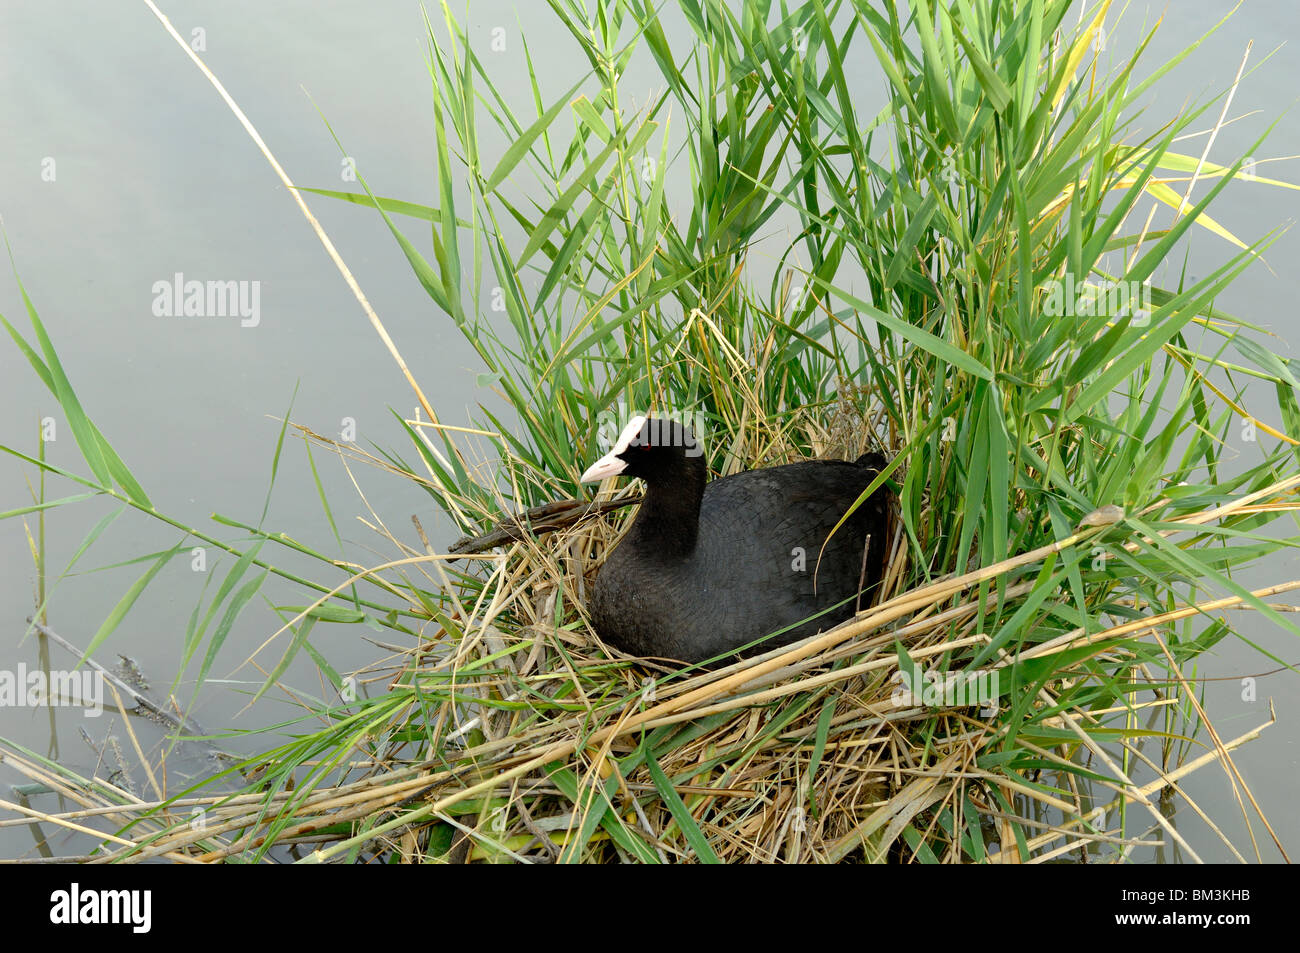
{"points": [[509, 733]]}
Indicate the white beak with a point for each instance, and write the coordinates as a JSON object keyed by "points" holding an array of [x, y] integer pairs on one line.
{"points": [[607, 466]]}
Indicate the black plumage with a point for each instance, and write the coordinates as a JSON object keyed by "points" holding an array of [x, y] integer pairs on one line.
{"points": [[707, 568]]}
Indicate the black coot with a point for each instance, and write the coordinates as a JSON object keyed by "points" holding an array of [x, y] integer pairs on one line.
{"points": [[706, 569]]}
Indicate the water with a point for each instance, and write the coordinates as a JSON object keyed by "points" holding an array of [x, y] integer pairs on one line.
{"points": [[152, 176]]}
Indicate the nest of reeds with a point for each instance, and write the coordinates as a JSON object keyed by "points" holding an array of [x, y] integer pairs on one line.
{"points": [[507, 732]]}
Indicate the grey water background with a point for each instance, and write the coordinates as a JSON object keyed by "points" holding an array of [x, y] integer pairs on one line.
{"points": [[153, 176]]}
